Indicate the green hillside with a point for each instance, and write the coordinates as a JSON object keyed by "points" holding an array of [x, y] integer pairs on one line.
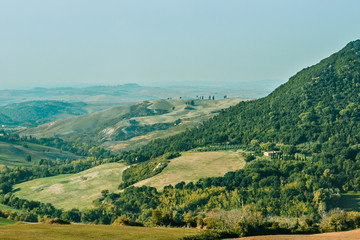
{"points": [[318, 104], [86, 186], [192, 166], [128, 127], [73, 190], [14, 154], [31, 113], [312, 122]]}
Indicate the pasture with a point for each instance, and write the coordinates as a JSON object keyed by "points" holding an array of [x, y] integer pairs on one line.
{"points": [[69, 191], [192, 166], [84, 232]]}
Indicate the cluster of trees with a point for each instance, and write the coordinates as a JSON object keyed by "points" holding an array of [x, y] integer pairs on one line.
{"points": [[145, 170], [81, 149], [252, 224]]}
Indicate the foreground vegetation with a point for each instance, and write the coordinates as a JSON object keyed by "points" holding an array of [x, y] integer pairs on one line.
{"points": [[85, 232]]}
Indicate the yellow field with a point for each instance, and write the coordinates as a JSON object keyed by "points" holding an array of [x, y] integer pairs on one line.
{"points": [[192, 166], [94, 232]]}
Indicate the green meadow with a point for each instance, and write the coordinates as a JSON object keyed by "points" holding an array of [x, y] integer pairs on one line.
{"points": [[73, 190]]}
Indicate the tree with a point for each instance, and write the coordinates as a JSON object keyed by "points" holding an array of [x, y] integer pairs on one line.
{"points": [[5, 187], [288, 149], [28, 158]]}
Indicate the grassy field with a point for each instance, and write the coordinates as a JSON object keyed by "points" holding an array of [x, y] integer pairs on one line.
{"points": [[73, 190], [192, 166], [4, 221], [13, 154], [84, 232], [350, 201], [10, 209]]}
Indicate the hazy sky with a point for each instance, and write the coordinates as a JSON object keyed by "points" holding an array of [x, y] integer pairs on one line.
{"points": [[76, 42]]}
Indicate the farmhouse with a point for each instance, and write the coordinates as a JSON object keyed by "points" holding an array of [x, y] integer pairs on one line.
{"points": [[271, 153]]}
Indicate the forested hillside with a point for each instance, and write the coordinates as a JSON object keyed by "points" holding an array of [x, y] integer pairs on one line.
{"points": [[318, 104], [32, 113]]}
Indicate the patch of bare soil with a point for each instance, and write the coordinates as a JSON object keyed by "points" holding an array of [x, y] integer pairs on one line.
{"points": [[349, 235]]}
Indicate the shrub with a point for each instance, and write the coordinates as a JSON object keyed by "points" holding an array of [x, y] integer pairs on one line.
{"points": [[126, 221]]}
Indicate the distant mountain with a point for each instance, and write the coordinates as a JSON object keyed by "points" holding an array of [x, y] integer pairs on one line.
{"points": [[125, 127], [132, 93], [320, 104]]}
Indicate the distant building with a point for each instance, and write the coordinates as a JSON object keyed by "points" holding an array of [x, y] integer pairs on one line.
{"points": [[271, 153]]}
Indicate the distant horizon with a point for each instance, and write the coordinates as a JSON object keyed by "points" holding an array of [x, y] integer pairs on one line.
{"points": [[82, 43], [197, 84]]}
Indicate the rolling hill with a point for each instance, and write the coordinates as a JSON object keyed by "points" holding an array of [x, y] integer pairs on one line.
{"points": [[31, 113], [127, 127], [15, 153], [192, 166], [132, 93], [81, 189], [73, 190]]}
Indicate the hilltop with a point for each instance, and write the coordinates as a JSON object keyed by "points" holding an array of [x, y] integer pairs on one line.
{"points": [[127, 127]]}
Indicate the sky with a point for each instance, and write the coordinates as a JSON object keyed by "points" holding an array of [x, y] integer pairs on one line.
{"points": [[50, 43]]}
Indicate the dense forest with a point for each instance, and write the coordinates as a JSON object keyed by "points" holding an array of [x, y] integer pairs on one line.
{"points": [[312, 120]]}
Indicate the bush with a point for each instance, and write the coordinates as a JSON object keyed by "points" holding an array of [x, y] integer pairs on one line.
{"points": [[334, 221], [126, 221], [56, 221]]}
